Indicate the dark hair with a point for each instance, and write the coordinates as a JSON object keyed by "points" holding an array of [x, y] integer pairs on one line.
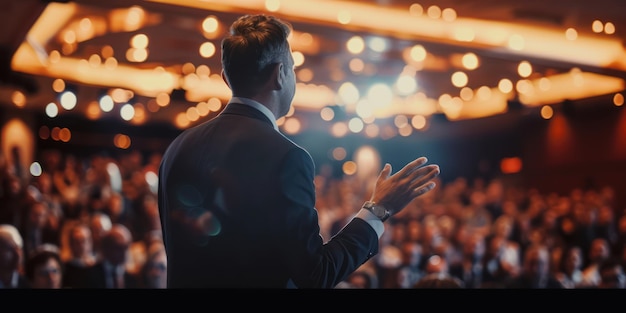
{"points": [[40, 256], [255, 43]]}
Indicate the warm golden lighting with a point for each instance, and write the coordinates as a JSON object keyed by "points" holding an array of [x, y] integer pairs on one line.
{"points": [[524, 69], [181, 120], [372, 130], [272, 5], [569, 86], [18, 98], [140, 115], [609, 28], [571, 34], [511, 165], [327, 114], [355, 125], [356, 65], [466, 94], [192, 114], [107, 51], [418, 122], [305, 75], [163, 99], [597, 26], [68, 26], [418, 53], [58, 85], [401, 120], [416, 9], [93, 111], [344, 17], [95, 60], [127, 112], [483, 93], [298, 58], [349, 168], [207, 49], [292, 125], [65, 134], [459, 79], [547, 112], [516, 42], [355, 45], [54, 134], [44, 132], [470, 61], [448, 14], [505, 85], [215, 104], [139, 41], [210, 24], [433, 11], [121, 141], [339, 129], [203, 108], [339, 153], [405, 131], [618, 99], [52, 110]]}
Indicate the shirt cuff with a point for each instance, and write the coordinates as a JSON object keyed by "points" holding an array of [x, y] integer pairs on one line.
{"points": [[373, 220]]}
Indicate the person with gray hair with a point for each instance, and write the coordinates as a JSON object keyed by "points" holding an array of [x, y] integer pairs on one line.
{"points": [[11, 259]]}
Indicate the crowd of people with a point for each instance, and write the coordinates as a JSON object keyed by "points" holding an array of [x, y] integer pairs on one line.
{"points": [[93, 222]]}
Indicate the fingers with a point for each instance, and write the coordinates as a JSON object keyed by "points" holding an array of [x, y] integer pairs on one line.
{"points": [[384, 174], [424, 182], [411, 166], [424, 175], [424, 189]]}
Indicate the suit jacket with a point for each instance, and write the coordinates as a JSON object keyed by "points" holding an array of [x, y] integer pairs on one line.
{"points": [[236, 201]]}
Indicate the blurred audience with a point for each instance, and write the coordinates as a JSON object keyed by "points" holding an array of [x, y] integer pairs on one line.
{"points": [[101, 211]]}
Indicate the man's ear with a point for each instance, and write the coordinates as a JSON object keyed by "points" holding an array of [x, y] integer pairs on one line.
{"points": [[278, 76]]}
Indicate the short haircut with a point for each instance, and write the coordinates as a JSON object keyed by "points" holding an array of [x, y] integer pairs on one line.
{"points": [[254, 44]]}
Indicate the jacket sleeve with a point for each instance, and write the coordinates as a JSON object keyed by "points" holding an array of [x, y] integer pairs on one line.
{"points": [[311, 262]]}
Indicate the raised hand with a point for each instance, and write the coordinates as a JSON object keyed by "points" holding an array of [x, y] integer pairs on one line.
{"points": [[395, 192]]}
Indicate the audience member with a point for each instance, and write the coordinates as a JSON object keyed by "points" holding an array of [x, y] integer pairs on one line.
{"points": [[153, 273], [111, 270], [598, 253], [82, 255], [570, 272], [612, 275], [535, 272], [470, 268], [11, 259], [44, 269]]}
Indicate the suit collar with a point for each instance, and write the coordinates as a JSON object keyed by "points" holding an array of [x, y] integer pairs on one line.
{"points": [[250, 108]]}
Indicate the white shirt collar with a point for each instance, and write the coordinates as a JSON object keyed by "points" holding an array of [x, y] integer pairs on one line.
{"points": [[258, 106]]}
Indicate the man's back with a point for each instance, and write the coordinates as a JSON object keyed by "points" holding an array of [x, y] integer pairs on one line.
{"points": [[221, 216]]}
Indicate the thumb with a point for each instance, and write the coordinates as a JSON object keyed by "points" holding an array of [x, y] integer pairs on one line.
{"points": [[384, 173]]}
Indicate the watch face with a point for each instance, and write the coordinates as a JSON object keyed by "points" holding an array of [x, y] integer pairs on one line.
{"points": [[380, 212]]}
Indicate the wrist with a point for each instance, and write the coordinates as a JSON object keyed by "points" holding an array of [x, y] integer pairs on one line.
{"points": [[377, 209]]}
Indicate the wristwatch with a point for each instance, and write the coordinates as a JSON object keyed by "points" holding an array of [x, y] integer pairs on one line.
{"points": [[380, 211]]}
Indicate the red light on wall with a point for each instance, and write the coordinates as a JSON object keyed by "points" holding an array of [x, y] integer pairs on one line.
{"points": [[511, 165]]}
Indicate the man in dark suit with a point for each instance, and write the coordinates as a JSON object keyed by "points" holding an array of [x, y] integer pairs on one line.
{"points": [[236, 197]]}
